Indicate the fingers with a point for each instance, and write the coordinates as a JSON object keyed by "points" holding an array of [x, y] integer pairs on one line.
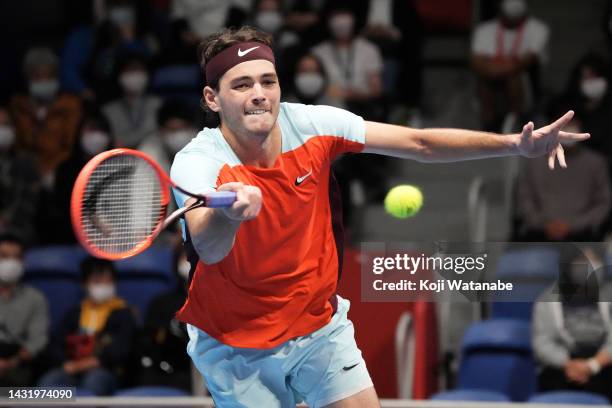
{"points": [[563, 136], [231, 186], [527, 131], [563, 120], [561, 156], [551, 159]]}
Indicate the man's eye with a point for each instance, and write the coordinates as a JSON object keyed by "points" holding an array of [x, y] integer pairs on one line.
{"points": [[269, 82], [241, 86]]}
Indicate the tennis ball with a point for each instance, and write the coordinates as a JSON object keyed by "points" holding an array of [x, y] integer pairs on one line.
{"points": [[403, 201]]}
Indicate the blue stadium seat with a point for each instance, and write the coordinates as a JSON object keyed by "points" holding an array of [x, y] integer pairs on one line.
{"points": [[496, 356], [152, 391], [84, 392], [569, 397], [62, 294], [55, 259], [180, 82], [532, 271], [471, 395]]}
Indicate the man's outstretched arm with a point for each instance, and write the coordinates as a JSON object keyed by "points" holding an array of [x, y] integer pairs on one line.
{"points": [[448, 145]]}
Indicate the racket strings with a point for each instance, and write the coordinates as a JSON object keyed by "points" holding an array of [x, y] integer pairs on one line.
{"points": [[122, 204]]}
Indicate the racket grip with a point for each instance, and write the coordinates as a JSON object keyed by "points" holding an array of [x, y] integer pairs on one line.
{"points": [[220, 199]]}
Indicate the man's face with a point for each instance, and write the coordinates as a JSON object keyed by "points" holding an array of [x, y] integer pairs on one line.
{"points": [[10, 250], [249, 98]]}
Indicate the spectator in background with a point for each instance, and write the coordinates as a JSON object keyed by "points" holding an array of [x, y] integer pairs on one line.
{"points": [[588, 91], [45, 119], [24, 317], [310, 83], [95, 338], [572, 335], [567, 205], [93, 138], [176, 128], [506, 55], [162, 359], [91, 51], [304, 19], [353, 66], [132, 116], [19, 183], [195, 19]]}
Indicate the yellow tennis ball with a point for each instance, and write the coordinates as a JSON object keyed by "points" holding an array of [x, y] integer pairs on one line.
{"points": [[403, 201]]}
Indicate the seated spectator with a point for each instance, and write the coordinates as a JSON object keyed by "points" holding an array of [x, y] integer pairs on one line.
{"points": [[19, 183], [93, 138], [162, 344], [572, 335], [95, 338], [91, 51], [566, 205], [176, 128], [588, 92], [132, 115], [310, 83], [24, 317], [45, 120], [506, 53], [353, 66]]}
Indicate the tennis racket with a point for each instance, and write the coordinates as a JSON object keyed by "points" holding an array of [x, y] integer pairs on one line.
{"points": [[120, 200]]}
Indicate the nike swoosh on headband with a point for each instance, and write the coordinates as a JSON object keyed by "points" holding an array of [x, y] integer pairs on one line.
{"points": [[245, 52]]}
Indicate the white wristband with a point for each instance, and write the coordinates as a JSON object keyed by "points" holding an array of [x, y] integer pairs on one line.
{"points": [[594, 365]]}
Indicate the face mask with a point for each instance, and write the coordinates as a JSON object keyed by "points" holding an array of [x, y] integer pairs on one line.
{"points": [[341, 26], [269, 21], [183, 269], [176, 140], [121, 16], [45, 89], [7, 136], [100, 292], [594, 88], [94, 142], [134, 82], [514, 9], [11, 270], [309, 84]]}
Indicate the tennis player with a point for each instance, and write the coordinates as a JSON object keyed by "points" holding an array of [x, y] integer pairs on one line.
{"points": [[266, 326]]}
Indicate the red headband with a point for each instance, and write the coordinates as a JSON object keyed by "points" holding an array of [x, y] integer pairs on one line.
{"points": [[234, 55]]}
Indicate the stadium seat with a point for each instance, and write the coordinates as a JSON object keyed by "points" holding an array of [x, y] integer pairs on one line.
{"points": [[181, 82], [532, 271], [55, 259], [496, 356], [471, 395], [569, 397], [83, 392], [152, 391]]}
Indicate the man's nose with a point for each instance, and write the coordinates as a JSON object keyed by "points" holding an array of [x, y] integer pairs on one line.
{"points": [[258, 94]]}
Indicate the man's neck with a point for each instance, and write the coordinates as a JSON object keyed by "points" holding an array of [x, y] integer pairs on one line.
{"points": [[254, 150]]}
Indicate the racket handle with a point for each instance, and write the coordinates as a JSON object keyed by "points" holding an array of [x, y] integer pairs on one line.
{"points": [[220, 199]]}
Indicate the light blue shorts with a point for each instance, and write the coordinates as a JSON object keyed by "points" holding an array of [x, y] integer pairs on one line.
{"points": [[320, 368]]}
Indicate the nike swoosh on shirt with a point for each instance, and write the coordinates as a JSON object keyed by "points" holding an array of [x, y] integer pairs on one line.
{"points": [[300, 180], [350, 367], [245, 52]]}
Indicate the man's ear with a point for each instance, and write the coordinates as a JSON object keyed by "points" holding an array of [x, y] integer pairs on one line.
{"points": [[210, 99]]}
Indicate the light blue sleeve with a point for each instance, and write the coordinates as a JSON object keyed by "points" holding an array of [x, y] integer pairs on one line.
{"points": [[323, 120], [195, 169]]}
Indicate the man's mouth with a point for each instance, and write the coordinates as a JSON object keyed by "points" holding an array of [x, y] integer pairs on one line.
{"points": [[257, 112]]}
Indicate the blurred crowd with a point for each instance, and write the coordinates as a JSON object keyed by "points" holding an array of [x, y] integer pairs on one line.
{"points": [[84, 76]]}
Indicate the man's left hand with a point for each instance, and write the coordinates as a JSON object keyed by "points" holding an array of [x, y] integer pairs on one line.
{"points": [[547, 140]]}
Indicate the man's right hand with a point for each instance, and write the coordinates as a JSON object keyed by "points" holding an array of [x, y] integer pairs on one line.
{"points": [[247, 204]]}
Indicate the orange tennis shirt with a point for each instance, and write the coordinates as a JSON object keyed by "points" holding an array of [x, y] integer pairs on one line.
{"points": [[276, 282]]}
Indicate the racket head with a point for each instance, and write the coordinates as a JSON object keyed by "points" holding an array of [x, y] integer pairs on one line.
{"points": [[118, 203]]}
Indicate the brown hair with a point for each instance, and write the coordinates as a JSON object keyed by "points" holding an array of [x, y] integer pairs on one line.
{"points": [[217, 42]]}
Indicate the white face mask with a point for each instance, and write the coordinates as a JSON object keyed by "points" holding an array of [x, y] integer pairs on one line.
{"points": [[183, 269], [11, 270], [341, 26], [514, 8], [121, 16], [134, 81], [100, 292], [44, 89], [269, 21], [309, 84], [176, 140], [94, 142], [594, 88], [7, 136]]}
